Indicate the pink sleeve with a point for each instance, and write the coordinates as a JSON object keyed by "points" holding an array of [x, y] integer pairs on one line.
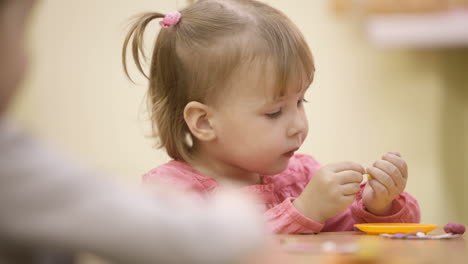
{"points": [[176, 178], [284, 218], [405, 209]]}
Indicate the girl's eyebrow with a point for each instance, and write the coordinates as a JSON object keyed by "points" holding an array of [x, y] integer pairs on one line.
{"points": [[273, 102], [266, 106], [283, 98]]}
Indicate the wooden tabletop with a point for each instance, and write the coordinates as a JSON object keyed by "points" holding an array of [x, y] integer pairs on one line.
{"points": [[332, 247], [356, 247]]}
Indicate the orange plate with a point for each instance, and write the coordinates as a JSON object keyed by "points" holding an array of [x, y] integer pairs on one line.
{"points": [[393, 228]]}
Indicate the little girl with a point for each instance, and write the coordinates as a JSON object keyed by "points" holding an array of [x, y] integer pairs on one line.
{"points": [[226, 90]]}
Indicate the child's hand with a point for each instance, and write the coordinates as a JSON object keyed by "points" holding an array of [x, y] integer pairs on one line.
{"points": [[330, 191], [388, 180]]}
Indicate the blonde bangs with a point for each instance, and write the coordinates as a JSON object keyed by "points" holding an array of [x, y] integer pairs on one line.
{"points": [[292, 59], [286, 61]]}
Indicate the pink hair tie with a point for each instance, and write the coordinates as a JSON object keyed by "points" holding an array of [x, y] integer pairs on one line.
{"points": [[170, 19]]}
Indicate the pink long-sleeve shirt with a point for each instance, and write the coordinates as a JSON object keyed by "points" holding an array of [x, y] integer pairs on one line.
{"points": [[277, 192]]}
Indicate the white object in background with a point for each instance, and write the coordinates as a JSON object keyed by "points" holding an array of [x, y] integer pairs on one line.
{"points": [[432, 30]]}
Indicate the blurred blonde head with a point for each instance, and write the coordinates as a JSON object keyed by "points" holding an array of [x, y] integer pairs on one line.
{"points": [[14, 59], [200, 56]]}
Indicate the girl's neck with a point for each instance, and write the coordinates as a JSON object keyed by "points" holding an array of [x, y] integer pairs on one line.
{"points": [[222, 172]]}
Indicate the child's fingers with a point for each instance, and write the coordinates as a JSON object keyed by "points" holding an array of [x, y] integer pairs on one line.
{"points": [[395, 153], [390, 169], [398, 162], [350, 188], [382, 177], [349, 176], [345, 166], [378, 187]]}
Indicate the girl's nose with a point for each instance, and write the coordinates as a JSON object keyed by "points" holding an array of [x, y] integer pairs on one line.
{"points": [[298, 127]]}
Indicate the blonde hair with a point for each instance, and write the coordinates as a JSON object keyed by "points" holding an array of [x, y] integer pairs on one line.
{"points": [[195, 59]]}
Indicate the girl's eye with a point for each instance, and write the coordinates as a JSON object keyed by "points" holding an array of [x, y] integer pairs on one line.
{"points": [[274, 114], [301, 101]]}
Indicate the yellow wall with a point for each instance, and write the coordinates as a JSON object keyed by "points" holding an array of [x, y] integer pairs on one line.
{"points": [[365, 100], [454, 139]]}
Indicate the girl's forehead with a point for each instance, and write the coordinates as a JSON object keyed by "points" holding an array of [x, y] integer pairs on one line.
{"points": [[262, 81]]}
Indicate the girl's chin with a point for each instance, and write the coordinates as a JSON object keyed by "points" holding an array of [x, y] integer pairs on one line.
{"points": [[276, 168]]}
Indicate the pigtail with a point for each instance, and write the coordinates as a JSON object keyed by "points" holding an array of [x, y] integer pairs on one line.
{"points": [[137, 31], [164, 94]]}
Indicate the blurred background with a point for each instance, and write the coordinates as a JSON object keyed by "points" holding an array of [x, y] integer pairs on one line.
{"points": [[373, 92]]}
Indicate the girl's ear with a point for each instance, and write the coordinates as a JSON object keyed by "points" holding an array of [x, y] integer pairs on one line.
{"points": [[198, 118]]}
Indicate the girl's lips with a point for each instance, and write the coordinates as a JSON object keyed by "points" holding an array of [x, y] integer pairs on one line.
{"points": [[290, 153]]}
